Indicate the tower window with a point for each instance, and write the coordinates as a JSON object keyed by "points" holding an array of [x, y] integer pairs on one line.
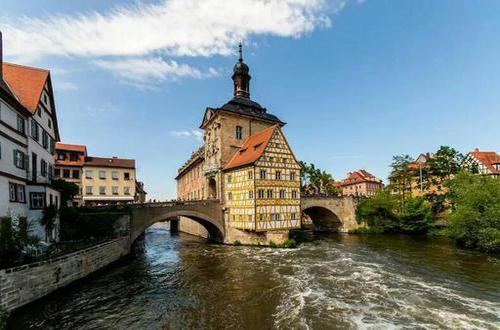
{"points": [[239, 132]]}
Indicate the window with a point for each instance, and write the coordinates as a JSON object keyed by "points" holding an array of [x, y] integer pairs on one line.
{"points": [[292, 216], [19, 159], [126, 190], [250, 194], [114, 175], [229, 196], [250, 175], [61, 155], [88, 174], [45, 139], [20, 124], [76, 174], [52, 146], [114, 190], [102, 190], [51, 171], [272, 217], [292, 176], [294, 194], [239, 132], [229, 179], [260, 193], [282, 193], [262, 174], [73, 156], [261, 217], [57, 172], [49, 123], [43, 168], [278, 175], [17, 192], [37, 200], [65, 173], [269, 193], [102, 175], [277, 217], [126, 176], [249, 218], [88, 190], [34, 130], [39, 112]]}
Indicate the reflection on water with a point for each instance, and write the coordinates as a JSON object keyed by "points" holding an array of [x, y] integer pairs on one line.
{"points": [[180, 282]]}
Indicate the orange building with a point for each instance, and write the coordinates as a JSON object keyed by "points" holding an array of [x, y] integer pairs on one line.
{"points": [[486, 162], [359, 183]]}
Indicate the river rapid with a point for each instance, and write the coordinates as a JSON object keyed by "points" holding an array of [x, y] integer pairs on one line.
{"points": [[330, 282]]}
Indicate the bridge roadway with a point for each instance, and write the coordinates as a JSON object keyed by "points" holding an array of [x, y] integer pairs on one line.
{"points": [[323, 213]]}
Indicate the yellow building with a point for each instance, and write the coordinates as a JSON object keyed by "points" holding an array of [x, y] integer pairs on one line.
{"points": [[100, 180], [262, 184]]}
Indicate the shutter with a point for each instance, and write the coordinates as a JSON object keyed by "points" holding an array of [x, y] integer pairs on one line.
{"points": [[26, 163], [14, 157]]}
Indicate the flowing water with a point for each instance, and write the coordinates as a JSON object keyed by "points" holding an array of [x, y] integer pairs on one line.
{"points": [[334, 282]]}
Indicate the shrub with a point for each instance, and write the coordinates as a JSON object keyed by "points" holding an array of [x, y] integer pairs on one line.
{"points": [[237, 243], [272, 244], [416, 217], [475, 221], [379, 212], [290, 243], [76, 226]]}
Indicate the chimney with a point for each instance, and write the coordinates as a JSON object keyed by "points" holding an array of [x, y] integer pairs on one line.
{"points": [[1, 57]]}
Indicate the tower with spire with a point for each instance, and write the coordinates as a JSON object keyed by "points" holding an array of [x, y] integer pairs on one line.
{"points": [[241, 77]]}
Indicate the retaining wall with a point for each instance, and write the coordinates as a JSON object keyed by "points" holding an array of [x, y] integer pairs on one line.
{"points": [[24, 284]]}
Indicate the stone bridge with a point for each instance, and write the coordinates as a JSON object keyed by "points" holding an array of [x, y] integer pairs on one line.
{"points": [[329, 213], [321, 214], [207, 213]]}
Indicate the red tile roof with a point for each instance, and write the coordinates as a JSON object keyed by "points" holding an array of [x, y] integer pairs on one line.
{"points": [[359, 176], [26, 83], [488, 159], [110, 162], [71, 147], [252, 148]]}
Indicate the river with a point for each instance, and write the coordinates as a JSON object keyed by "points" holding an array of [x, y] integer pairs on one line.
{"points": [[331, 282]]}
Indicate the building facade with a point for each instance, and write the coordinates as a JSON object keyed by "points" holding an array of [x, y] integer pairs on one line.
{"points": [[360, 183], [100, 180], [485, 162], [28, 132], [221, 169]]}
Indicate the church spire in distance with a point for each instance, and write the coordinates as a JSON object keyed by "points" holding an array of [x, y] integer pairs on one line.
{"points": [[240, 77]]}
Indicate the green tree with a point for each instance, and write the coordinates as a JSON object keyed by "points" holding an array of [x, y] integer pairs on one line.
{"points": [[443, 165], [310, 174], [67, 189], [416, 217], [475, 220], [379, 212], [48, 220], [401, 177]]}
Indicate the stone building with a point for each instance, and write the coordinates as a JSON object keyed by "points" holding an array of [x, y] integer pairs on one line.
{"points": [[28, 131], [230, 132], [101, 180]]}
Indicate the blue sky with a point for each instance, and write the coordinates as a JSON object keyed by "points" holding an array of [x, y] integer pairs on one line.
{"points": [[356, 81]]}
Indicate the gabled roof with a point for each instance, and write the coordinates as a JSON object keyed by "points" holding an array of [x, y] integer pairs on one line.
{"points": [[488, 159], [359, 176], [26, 83], [252, 148]]}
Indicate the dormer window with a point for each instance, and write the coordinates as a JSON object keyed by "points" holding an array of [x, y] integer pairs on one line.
{"points": [[257, 146]]}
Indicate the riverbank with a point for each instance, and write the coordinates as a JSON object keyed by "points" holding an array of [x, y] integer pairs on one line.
{"points": [[332, 281]]}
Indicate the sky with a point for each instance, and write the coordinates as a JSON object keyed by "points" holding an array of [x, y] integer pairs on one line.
{"points": [[357, 82]]}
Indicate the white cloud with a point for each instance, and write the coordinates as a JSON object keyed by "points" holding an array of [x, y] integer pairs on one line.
{"points": [[139, 42], [172, 27], [198, 135], [147, 72], [66, 86]]}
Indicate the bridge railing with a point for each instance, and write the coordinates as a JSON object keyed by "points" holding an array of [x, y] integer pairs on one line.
{"points": [[174, 203]]}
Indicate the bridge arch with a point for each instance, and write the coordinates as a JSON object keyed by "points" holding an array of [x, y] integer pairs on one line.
{"points": [[322, 218], [208, 214]]}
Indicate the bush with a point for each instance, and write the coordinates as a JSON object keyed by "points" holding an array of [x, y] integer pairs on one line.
{"points": [[290, 244], [475, 220], [416, 217], [76, 226], [272, 244], [237, 243]]}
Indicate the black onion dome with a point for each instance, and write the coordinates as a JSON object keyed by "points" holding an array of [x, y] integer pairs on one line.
{"points": [[241, 67]]}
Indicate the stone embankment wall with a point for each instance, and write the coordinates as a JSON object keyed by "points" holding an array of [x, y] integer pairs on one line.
{"points": [[24, 284], [192, 227]]}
